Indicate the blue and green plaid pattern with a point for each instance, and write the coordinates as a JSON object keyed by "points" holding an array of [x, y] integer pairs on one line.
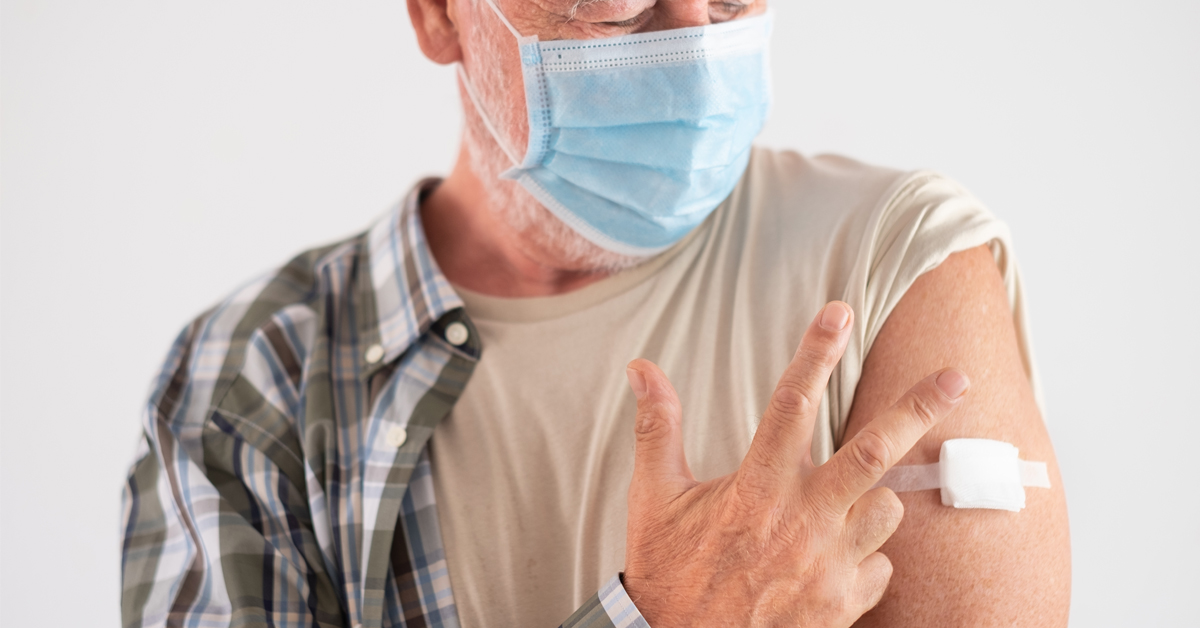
{"points": [[282, 478]]}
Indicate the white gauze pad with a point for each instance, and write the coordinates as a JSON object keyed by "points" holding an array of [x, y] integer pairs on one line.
{"points": [[973, 473]]}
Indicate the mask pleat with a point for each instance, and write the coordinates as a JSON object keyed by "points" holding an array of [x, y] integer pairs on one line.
{"points": [[688, 93], [634, 140], [654, 193]]}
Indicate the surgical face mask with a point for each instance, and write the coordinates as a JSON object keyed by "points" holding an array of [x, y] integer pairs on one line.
{"points": [[635, 140]]}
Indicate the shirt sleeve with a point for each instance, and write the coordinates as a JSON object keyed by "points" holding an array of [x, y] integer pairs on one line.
{"points": [[215, 530], [189, 557], [610, 607]]}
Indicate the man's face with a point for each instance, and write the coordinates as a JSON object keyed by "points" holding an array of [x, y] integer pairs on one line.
{"points": [[491, 59], [490, 51]]}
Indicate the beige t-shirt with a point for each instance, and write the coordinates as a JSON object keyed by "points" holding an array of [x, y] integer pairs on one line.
{"points": [[532, 465]]}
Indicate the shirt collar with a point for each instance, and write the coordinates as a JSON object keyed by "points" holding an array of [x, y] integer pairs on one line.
{"points": [[410, 292]]}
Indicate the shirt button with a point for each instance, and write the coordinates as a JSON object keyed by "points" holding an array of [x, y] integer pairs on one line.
{"points": [[457, 334], [374, 354], [396, 436]]}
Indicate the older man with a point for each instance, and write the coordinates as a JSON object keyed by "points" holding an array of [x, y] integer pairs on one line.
{"points": [[438, 422]]}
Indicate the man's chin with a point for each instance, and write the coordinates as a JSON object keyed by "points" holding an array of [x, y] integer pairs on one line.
{"points": [[538, 233], [546, 240]]}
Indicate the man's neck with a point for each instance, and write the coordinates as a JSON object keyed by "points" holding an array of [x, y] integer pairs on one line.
{"points": [[477, 250]]}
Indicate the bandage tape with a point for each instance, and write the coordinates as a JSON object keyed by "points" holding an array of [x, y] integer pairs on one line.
{"points": [[973, 473]]}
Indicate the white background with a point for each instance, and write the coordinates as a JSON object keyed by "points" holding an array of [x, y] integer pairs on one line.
{"points": [[156, 154]]}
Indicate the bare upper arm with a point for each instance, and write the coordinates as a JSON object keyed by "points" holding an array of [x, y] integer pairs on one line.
{"points": [[967, 567]]}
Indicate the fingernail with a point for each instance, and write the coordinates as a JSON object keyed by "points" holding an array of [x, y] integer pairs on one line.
{"points": [[953, 382], [835, 316], [637, 382]]}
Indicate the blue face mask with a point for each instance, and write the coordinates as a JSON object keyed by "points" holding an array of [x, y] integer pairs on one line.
{"points": [[635, 140]]}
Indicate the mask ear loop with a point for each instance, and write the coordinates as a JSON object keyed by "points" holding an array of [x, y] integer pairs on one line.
{"points": [[474, 96], [487, 122], [512, 29]]}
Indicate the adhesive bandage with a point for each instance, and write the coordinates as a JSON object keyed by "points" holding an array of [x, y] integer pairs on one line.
{"points": [[973, 473]]}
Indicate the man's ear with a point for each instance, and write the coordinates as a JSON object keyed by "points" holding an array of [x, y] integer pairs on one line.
{"points": [[436, 32]]}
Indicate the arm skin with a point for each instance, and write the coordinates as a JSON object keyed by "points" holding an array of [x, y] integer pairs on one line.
{"points": [[969, 567]]}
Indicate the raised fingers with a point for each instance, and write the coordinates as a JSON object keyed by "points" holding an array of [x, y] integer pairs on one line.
{"points": [[659, 465], [784, 435], [860, 463]]}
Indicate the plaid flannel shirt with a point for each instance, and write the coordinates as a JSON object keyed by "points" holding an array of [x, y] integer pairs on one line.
{"points": [[282, 477]]}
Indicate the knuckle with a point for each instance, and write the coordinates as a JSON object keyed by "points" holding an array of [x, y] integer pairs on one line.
{"points": [[884, 571], [874, 518], [755, 505], [651, 425], [886, 512], [875, 579], [767, 459], [893, 508], [792, 398], [923, 408], [834, 603], [823, 352], [820, 500], [752, 492], [644, 501], [836, 597], [871, 452]]}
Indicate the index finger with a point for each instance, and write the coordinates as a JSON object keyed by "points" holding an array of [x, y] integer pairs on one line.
{"points": [[860, 463]]}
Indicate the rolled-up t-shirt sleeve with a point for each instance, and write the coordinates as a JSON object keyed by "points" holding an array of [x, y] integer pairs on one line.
{"points": [[922, 221]]}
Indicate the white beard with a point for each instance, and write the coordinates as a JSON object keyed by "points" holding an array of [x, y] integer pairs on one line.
{"points": [[544, 237]]}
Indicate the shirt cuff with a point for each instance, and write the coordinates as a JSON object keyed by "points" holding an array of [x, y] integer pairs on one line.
{"points": [[610, 607]]}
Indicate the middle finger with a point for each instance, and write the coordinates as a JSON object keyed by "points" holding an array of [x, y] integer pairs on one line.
{"points": [[784, 436]]}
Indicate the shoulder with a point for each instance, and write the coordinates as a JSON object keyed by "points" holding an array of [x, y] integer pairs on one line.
{"points": [[796, 190], [833, 223], [828, 191], [264, 330], [834, 177], [817, 229]]}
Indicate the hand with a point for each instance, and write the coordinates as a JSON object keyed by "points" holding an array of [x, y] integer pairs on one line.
{"points": [[780, 542]]}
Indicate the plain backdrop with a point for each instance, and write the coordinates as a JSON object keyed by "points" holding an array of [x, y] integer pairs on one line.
{"points": [[156, 154]]}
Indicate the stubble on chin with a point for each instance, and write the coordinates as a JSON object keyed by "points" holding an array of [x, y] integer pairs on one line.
{"points": [[540, 234]]}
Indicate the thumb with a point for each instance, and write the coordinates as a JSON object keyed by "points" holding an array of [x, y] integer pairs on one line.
{"points": [[659, 464]]}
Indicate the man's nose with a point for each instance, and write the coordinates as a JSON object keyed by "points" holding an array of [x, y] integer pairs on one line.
{"points": [[679, 14]]}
